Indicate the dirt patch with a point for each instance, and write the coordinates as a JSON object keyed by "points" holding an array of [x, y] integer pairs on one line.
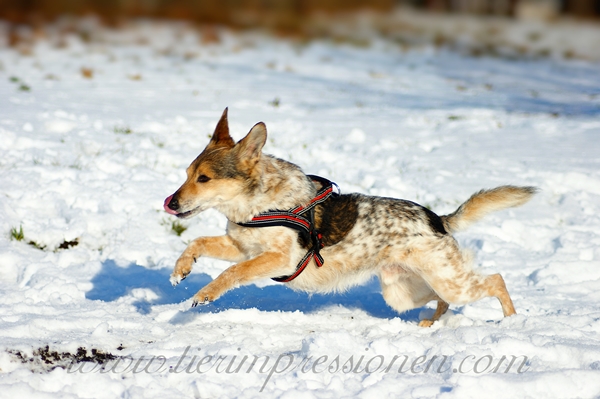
{"points": [[44, 360]]}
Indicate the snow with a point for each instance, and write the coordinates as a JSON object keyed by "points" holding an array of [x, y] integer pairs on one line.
{"points": [[92, 159]]}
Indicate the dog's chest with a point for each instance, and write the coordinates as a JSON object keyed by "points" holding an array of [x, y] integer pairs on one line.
{"points": [[255, 241]]}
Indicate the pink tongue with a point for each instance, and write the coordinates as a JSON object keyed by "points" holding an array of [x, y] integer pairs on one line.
{"points": [[169, 210]]}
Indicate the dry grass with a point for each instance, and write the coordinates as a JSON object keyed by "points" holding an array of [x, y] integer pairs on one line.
{"points": [[87, 73]]}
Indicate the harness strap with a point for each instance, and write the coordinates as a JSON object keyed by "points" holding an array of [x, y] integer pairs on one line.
{"points": [[296, 219]]}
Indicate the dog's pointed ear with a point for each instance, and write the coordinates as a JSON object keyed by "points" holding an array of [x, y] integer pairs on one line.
{"points": [[221, 135], [250, 147]]}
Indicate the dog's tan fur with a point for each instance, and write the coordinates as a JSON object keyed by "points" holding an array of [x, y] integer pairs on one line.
{"points": [[407, 246]]}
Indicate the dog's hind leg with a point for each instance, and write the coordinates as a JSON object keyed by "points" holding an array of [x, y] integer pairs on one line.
{"points": [[449, 274], [220, 247], [471, 287], [496, 286]]}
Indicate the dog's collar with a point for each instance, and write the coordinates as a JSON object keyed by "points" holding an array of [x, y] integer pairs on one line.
{"points": [[301, 218]]}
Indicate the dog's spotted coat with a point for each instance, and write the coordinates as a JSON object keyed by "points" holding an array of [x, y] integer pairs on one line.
{"points": [[410, 248]]}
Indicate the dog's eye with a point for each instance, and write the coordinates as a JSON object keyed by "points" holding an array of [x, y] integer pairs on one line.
{"points": [[203, 179]]}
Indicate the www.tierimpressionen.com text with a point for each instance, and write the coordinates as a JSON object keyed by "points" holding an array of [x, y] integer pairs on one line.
{"points": [[286, 363]]}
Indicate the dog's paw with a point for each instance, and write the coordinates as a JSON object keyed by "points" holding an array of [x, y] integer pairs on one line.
{"points": [[200, 301], [426, 323], [183, 267], [205, 296], [176, 279]]}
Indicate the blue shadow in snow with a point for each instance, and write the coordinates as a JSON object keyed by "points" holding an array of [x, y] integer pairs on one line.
{"points": [[113, 282]]}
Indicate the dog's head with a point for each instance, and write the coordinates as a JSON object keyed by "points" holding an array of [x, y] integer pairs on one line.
{"points": [[222, 172]]}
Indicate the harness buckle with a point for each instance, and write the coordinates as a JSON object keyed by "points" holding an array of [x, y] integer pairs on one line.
{"points": [[338, 191]]}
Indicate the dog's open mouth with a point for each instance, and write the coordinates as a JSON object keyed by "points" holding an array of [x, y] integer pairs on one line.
{"points": [[185, 215]]}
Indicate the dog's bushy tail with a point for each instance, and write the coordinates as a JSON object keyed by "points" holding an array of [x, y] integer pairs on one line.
{"points": [[484, 202]]}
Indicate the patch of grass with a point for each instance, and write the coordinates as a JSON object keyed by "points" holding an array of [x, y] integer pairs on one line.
{"points": [[24, 87], [455, 117], [178, 228], [34, 244], [276, 102], [157, 143], [14, 79], [122, 130], [17, 235]]}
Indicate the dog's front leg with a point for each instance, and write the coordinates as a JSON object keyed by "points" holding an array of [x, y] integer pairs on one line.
{"points": [[220, 247], [268, 264]]}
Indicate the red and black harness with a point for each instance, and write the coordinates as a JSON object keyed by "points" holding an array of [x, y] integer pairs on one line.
{"points": [[301, 218]]}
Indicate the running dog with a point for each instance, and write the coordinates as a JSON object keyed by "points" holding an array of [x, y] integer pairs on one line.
{"points": [[285, 225]]}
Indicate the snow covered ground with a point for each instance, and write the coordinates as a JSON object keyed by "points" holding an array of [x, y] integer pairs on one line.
{"points": [[94, 135]]}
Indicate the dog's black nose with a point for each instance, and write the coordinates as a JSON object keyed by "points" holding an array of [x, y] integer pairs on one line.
{"points": [[173, 204]]}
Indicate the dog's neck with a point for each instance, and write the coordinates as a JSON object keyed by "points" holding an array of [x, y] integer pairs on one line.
{"points": [[275, 184]]}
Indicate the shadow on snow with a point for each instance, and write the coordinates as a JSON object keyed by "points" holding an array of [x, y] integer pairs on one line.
{"points": [[114, 282]]}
